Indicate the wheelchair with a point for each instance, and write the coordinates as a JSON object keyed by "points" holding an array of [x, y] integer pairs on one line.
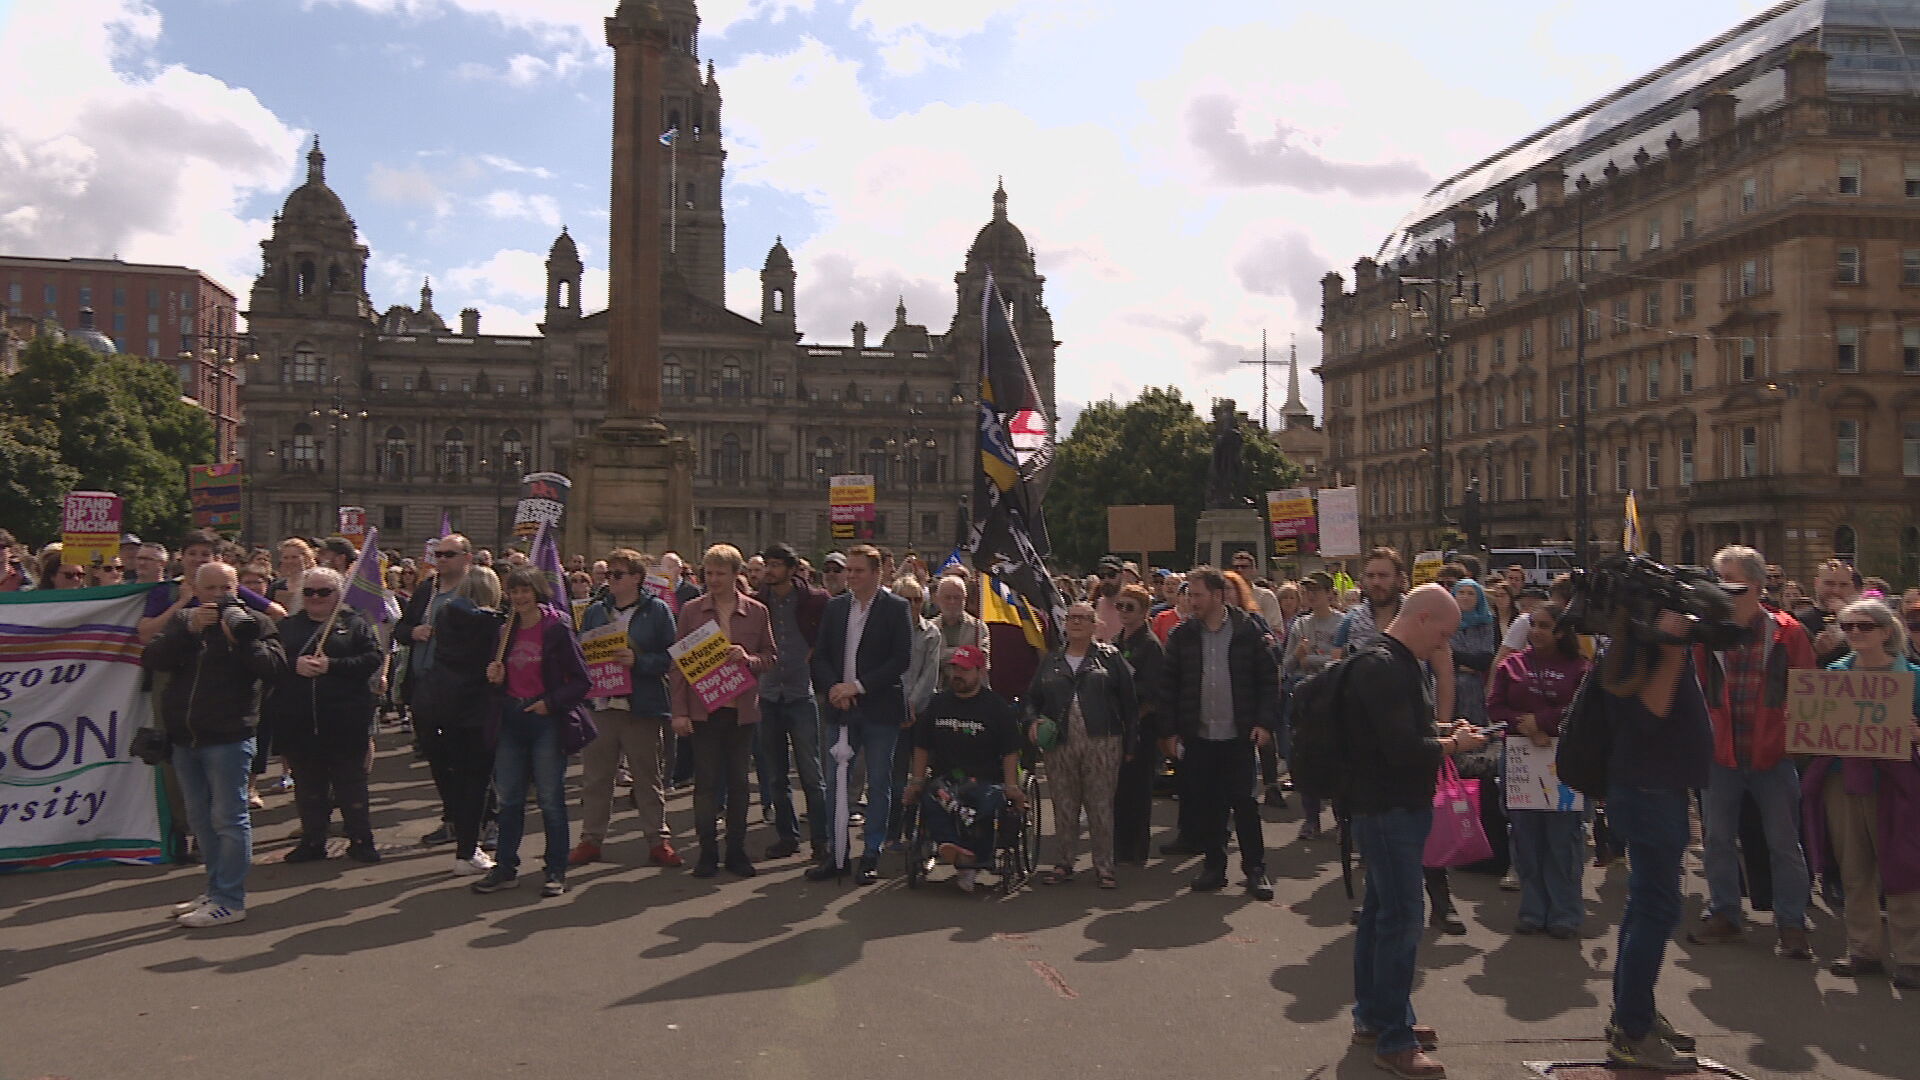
{"points": [[1016, 841]]}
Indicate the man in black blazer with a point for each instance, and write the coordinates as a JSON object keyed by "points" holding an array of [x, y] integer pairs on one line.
{"points": [[859, 660]]}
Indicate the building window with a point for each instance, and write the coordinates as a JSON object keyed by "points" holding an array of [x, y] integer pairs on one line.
{"points": [[1749, 359], [1913, 180], [305, 366], [1526, 277], [1499, 411], [1473, 358], [1849, 179], [1846, 269], [1687, 215], [440, 385], [1686, 371], [1564, 336], [1653, 379], [304, 452], [1650, 307], [406, 383], [1749, 451], [1500, 351], [1846, 447], [1622, 244], [1910, 350], [727, 460], [777, 464], [1653, 233], [453, 453], [1566, 476], [1749, 277], [1593, 324], [1686, 462], [1593, 391], [1749, 194], [1683, 304], [777, 386], [1846, 545], [393, 519], [1526, 478], [1565, 401], [1910, 448], [1499, 287], [1526, 405], [1593, 471], [393, 455], [1622, 379], [1846, 350], [1653, 466], [1621, 459], [1621, 323]]}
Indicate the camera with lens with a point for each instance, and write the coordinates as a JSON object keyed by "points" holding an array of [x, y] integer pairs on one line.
{"points": [[239, 619], [1623, 596]]}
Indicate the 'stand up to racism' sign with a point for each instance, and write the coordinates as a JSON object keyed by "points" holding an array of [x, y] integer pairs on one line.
{"points": [[1864, 714]]}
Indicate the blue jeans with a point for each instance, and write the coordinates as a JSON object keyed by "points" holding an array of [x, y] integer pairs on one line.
{"points": [[1549, 852], [530, 743], [1652, 825], [875, 743], [794, 724], [213, 784], [944, 826], [1386, 947], [1776, 792]]}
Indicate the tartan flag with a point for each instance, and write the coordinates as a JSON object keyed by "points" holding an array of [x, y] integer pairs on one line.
{"points": [[367, 583]]}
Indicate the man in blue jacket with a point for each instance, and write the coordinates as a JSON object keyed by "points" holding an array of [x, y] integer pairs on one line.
{"points": [[859, 660], [636, 724]]}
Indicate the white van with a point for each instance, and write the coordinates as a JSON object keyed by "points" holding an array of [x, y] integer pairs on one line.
{"points": [[1542, 564]]}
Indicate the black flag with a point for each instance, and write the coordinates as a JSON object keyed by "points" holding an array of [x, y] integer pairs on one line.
{"points": [[1008, 537]]}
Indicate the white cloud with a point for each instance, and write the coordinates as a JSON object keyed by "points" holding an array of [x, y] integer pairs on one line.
{"points": [[509, 288], [510, 205], [911, 53], [410, 185], [508, 165], [152, 165]]}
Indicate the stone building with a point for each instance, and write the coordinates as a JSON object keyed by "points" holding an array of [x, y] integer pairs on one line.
{"points": [[409, 417], [1747, 305]]}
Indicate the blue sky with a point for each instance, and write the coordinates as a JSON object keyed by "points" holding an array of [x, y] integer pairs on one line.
{"points": [[1185, 172]]}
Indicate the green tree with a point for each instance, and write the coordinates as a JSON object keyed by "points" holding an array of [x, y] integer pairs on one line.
{"points": [[112, 423], [1152, 450]]}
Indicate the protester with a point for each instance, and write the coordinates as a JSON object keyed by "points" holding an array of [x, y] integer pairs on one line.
{"points": [[1530, 693], [219, 654], [321, 706], [789, 715], [295, 557], [859, 662], [922, 680], [634, 725], [1101, 589], [539, 677], [723, 736], [1081, 711], [1835, 585], [965, 765], [1140, 763], [1310, 650], [1219, 699], [958, 627]]}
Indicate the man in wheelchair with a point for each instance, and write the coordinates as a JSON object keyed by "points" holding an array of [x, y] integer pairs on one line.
{"points": [[966, 766]]}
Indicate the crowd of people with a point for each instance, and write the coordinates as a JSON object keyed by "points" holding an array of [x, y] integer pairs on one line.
{"points": [[883, 695]]}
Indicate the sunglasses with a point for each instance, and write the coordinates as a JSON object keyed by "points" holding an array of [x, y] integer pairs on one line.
{"points": [[616, 575], [1860, 627], [1126, 607], [448, 554], [316, 592]]}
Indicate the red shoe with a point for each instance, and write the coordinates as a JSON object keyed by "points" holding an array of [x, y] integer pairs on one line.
{"points": [[586, 851], [664, 855]]}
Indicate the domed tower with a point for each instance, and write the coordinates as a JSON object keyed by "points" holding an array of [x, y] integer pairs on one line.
{"points": [[564, 270], [693, 229], [1001, 248], [776, 293], [313, 263]]}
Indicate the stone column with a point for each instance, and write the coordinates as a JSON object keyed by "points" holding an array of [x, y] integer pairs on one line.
{"points": [[638, 35]]}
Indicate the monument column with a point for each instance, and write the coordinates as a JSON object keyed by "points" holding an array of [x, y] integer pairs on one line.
{"points": [[634, 479]]}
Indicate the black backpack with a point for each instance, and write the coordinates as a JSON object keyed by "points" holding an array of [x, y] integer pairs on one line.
{"points": [[1321, 763]]}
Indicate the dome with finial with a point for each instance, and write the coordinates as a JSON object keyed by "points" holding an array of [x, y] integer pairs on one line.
{"points": [[88, 336], [314, 200], [563, 248], [777, 256], [1000, 242]]}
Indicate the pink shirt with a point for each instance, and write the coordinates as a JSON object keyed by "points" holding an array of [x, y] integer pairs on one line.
{"points": [[523, 663]]}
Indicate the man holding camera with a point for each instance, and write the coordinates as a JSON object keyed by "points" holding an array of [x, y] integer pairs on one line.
{"points": [[219, 651], [1746, 691]]}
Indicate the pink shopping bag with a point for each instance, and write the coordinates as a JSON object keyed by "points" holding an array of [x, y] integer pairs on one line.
{"points": [[1456, 838]]}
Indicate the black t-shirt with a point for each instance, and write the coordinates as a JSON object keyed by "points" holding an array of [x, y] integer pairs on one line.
{"points": [[967, 736]]}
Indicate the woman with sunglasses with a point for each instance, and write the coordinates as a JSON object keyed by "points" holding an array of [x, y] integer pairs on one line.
{"points": [[321, 709], [1083, 714], [1861, 812]]}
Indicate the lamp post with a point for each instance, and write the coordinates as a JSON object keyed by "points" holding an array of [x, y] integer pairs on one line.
{"points": [[1431, 301], [905, 449], [508, 462], [338, 415], [218, 357], [1582, 478]]}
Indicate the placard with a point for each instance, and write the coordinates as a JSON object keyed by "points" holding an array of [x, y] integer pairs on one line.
{"points": [[1426, 567], [851, 507], [610, 677], [1291, 522], [658, 585], [1533, 782], [90, 528], [216, 494], [703, 661], [1863, 714], [1144, 529], [543, 501], [1339, 522], [353, 525]]}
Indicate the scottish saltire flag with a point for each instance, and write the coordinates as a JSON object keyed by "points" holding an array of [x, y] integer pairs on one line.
{"points": [[953, 560], [668, 136], [1631, 540], [367, 583]]}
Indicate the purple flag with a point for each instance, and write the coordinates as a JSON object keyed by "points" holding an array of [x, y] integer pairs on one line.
{"points": [[367, 586], [546, 561]]}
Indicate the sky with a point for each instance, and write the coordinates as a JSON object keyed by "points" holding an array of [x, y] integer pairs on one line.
{"points": [[1186, 173]]}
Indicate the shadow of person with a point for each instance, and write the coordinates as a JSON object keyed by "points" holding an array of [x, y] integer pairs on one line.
{"points": [[1539, 978], [1320, 987]]}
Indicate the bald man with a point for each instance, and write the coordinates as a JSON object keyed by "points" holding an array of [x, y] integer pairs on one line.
{"points": [[219, 652], [1389, 708]]}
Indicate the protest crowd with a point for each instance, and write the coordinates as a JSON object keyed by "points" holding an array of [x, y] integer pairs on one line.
{"points": [[910, 704]]}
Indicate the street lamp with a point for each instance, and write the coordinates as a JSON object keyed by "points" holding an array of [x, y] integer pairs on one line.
{"points": [[218, 357], [1434, 301], [510, 461], [905, 449], [338, 415], [1582, 486]]}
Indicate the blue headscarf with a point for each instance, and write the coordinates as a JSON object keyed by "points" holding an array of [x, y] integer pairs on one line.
{"points": [[1482, 612]]}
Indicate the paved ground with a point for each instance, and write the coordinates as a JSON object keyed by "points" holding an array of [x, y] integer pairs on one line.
{"points": [[346, 971]]}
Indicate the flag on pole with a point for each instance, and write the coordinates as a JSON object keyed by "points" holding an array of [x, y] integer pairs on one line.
{"points": [[1000, 604], [1008, 534], [367, 583], [953, 562], [1631, 541], [446, 530], [546, 560], [668, 136]]}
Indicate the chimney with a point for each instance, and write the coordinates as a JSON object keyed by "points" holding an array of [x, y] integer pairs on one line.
{"points": [[860, 335], [1550, 185], [1332, 287], [1466, 223], [469, 322], [1806, 73], [1365, 273], [1716, 114]]}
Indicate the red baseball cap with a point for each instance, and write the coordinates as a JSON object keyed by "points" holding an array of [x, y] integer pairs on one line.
{"points": [[968, 656]]}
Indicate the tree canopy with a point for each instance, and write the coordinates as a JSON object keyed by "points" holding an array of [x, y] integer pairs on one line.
{"points": [[1155, 449], [72, 419]]}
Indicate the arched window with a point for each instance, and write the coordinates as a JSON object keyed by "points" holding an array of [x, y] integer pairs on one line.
{"points": [[563, 294], [395, 455], [779, 300], [303, 281], [334, 281], [826, 457], [453, 453], [1846, 545], [1653, 545], [672, 382], [511, 448], [304, 453]]}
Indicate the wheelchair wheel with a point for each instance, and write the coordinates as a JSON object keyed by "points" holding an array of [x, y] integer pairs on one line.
{"points": [[1030, 832]]}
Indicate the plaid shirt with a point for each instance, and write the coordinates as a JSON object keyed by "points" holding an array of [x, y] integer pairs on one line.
{"points": [[1745, 667]]}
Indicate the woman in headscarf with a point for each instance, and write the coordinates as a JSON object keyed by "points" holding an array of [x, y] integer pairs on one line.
{"points": [[1473, 647]]}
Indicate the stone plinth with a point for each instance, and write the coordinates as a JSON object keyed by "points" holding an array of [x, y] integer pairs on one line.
{"points": [[632, 487], [1220, 533]]}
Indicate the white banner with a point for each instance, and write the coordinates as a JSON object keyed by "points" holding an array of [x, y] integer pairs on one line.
{"points": [[70, 701], [1532, 782], [1339, 522]]}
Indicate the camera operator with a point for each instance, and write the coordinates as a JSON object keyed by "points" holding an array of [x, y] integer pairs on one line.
{"points": [[1662, 749], [1746, 690], [219, 653]]}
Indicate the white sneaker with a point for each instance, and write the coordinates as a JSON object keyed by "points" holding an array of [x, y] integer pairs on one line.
{"points": [[189, 907], [1511, 882], [479, 864], [966, 878], [213, 915]]}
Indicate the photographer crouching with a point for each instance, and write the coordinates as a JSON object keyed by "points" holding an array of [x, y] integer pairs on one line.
{"points": [[218, 652]]}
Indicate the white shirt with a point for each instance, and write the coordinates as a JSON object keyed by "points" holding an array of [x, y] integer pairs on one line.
{"points": [[856, 628]]}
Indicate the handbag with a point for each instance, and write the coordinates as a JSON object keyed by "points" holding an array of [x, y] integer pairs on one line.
{"points": [[1456, 838], [1586, 740], [578, 730]]}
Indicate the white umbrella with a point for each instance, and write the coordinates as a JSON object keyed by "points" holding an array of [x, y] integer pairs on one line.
{"points": [[842, 754]]}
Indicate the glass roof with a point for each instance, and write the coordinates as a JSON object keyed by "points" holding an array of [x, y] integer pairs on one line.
{"points": [[1875, 45]]}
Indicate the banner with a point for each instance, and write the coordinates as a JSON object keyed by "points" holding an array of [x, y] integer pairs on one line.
{"points": [[658, 585], [1339, 521], [1533, 783], [603, 646], [70, 701], [715, 679], [353, 525], [215, 491], [1291, 521], [90, 528], [1863, 714], [850, 507], [543, 500]]}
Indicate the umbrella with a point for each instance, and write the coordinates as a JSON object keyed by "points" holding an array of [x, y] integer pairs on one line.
{"points": [[842, 754]]}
